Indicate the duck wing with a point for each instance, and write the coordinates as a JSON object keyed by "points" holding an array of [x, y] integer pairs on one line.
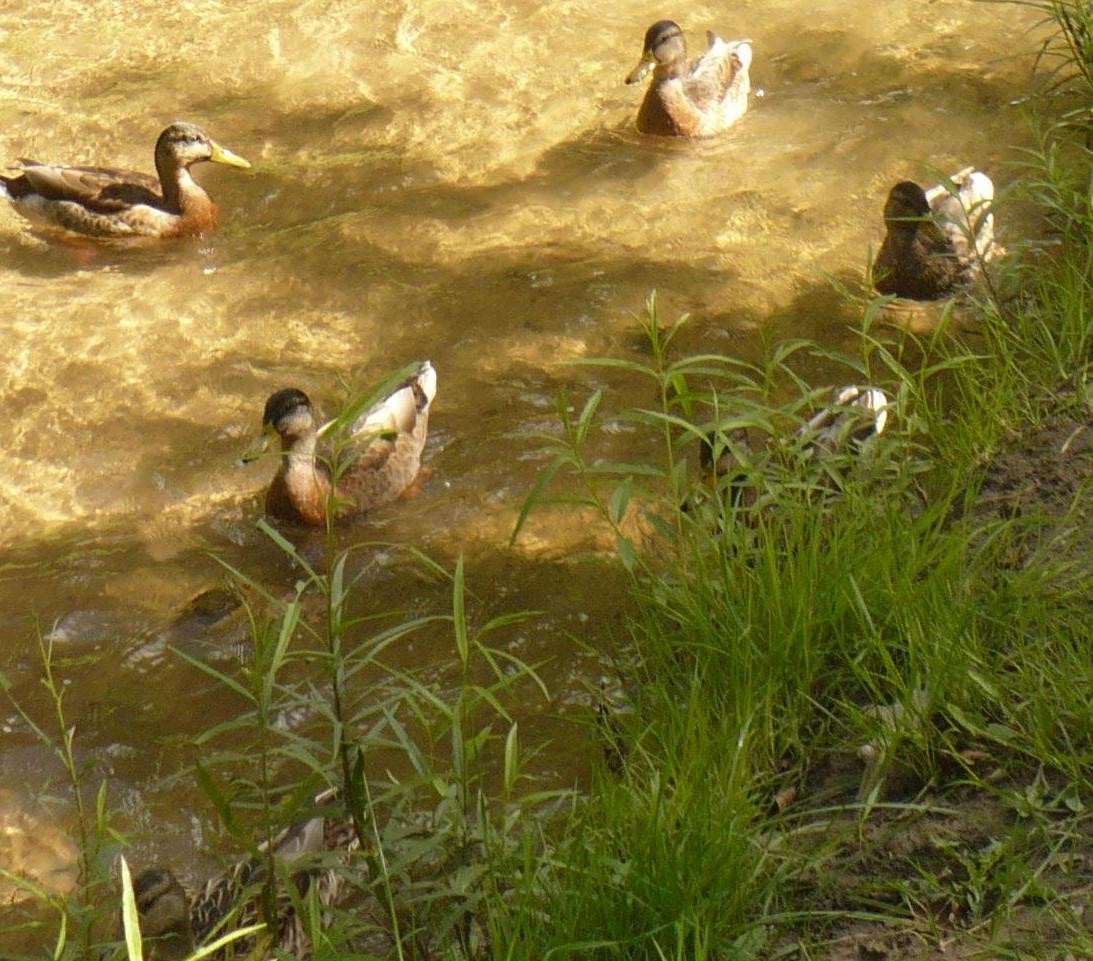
{"points": [[719, 72], [964, 213], [98, 188], [398, 412], [390, 438], [923, 265]]}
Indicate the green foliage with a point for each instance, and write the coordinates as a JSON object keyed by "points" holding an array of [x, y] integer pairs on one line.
{"points": [[78, 934]]}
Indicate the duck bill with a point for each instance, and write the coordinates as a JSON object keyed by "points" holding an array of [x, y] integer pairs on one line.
{"points": [[645, 64], [259, 446], [222, 155]]}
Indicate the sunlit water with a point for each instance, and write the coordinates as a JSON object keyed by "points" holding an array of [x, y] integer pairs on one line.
{"points": [[457, 181]]}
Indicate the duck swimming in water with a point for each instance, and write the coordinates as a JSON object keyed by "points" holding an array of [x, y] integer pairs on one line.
{"points": [[105, 203], [380, 458], [691, 100], [938, 239]]}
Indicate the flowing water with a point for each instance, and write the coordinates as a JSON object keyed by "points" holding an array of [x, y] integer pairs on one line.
{"points": [[452, 180]]}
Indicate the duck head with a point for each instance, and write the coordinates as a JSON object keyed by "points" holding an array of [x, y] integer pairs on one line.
{"points": [[164, 913], [183, 144], [906, 204], [288, 415], [664, 47]]}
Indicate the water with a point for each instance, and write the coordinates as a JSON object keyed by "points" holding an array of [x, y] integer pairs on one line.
{"points": [[457, 181]]}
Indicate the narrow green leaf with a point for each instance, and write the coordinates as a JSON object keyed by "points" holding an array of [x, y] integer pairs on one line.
{"points": [[287, 546], [130, 919], [214, 794], [459, 614], [535, 497], [227, 939], [289, 619], [337, 587], [614, 363], [62, 937], [25, 884], [627, 555], [584, 422], [512, 758], [216, 675], [620, 498]]}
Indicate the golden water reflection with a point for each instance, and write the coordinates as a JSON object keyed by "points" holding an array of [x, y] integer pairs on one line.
{"points": [[454, 181]]}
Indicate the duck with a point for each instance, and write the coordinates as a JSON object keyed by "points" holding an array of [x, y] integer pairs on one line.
{"points": [[378, 456], [104, 203], [937, 239], [699, 99], [172, 924], [852, 416]]}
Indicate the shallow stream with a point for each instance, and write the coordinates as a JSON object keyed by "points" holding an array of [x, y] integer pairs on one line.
{"points": [[457, 181]]}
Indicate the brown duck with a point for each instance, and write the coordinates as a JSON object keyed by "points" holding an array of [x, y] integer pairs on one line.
{"points": [[379, 456], [938, 239], [172, 924], [691, 100], [103, 202]]}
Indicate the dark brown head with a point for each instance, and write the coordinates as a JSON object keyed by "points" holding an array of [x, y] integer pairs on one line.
{"points": [[906, 204], [289, 413], [664, 46], [164, 913], [183, 144], [732, 450]]}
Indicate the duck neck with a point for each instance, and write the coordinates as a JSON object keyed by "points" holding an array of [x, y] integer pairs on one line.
{"points": [[902, 232], [181, 193], [299, 453], [669, 71]]}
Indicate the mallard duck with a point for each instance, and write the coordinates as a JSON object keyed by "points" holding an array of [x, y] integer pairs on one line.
{"points": [[384, 449], [691, 100], [937, 239], [171, 923], [101, 202], [853, 416]]}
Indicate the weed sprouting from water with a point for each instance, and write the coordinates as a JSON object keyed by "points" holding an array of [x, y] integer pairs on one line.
{"points": [[78, 930]]}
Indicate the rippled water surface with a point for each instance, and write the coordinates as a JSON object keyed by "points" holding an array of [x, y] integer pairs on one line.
{"points": [[452, 180]]}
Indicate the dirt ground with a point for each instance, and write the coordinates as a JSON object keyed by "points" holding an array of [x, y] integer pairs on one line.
{"points": [[1047, 478], [945, 862]]}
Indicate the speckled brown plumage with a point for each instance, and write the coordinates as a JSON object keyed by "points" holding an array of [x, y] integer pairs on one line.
{"points": [[172, 924], [936, 240]]}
